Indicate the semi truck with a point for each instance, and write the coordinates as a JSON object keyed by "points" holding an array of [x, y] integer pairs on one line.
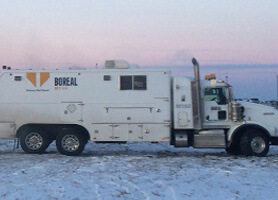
{"points": [[124, 103]]}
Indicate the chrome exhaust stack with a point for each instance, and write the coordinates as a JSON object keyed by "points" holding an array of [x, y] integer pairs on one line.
{"points": [[196, 70], [197, 104]]}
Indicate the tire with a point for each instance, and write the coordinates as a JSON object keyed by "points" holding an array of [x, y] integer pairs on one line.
{"points": [[70, 142], [254, 143], [234, 149], [34, 139]]}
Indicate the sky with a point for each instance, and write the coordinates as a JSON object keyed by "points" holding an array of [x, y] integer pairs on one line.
{"points": [[51, 33], [248, 81], [84, 33]]}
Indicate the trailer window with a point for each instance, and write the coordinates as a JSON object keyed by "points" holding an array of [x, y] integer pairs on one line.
{"points": [[136, 82], [139, 82], [126, 83]]}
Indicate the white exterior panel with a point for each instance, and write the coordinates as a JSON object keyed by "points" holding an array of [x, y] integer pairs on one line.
{"points": [[90, 98]]}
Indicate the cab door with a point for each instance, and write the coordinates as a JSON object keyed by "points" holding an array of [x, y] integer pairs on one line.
{"points": [[215, 104]]}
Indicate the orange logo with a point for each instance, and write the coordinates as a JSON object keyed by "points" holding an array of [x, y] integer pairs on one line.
{"points": [[32, 77]]}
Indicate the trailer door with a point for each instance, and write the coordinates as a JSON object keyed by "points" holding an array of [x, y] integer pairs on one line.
{"points": [[182, 103]]}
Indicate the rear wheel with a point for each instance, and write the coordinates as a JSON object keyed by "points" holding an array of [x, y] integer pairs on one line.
{"points": [[70, 142], [254, 143], [34, 139]]}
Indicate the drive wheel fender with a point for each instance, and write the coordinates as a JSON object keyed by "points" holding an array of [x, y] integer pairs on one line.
{"points": [[70, 142], [254, 143], [34, 139]]}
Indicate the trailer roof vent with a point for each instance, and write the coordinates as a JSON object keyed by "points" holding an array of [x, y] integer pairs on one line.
{"points": [[116, 64]]}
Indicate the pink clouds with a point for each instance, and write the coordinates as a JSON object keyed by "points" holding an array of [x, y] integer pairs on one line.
{"points": [[65, 33]]}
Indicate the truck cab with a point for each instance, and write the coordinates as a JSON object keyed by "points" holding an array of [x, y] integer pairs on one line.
{"points": [[207, 116]]}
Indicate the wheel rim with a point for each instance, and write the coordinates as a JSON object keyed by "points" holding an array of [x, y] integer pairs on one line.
{"points": [[33, 141], [258, 144], [70, 143]]}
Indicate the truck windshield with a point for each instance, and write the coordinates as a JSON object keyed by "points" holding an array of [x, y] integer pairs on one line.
{"points": [[216, 94]]}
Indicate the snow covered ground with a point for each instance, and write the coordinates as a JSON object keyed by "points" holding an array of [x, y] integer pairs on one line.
{"points": [[136, 171]]}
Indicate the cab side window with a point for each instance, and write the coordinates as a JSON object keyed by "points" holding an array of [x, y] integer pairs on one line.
{"points": [[216, 94]]}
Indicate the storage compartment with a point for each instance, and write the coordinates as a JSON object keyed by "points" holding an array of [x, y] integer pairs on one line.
{"points": [[131, 132], [129, 114], [71, 112]]}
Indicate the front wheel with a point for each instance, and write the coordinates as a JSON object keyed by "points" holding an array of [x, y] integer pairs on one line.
{"points": [[233, 149], [254, 143], [70, 142]]}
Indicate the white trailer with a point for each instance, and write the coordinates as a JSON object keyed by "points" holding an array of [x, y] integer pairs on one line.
{"points": [[121, 103]]}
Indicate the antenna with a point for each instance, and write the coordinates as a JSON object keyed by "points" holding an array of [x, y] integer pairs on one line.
{"points": [[227, 79]]}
